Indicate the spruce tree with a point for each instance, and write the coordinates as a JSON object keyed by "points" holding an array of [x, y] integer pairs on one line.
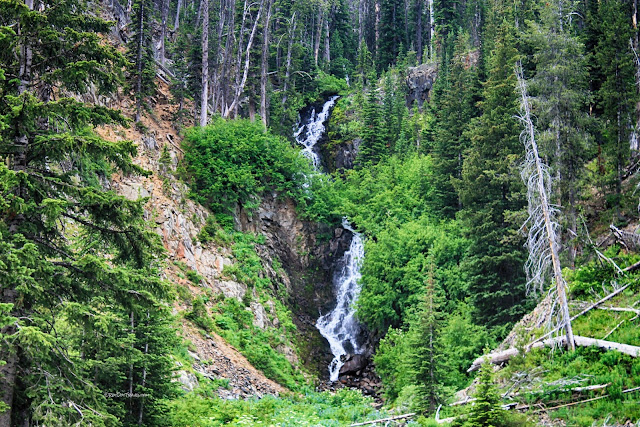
{"points": [[77, 262], [373, 146], [486, 410], [426, 356], [142, 73], [491, 191], [560, 86], [453, 109], [617, 95]]}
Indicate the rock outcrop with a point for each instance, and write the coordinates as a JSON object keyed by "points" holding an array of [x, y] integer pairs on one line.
{"points": [[420, 81]]}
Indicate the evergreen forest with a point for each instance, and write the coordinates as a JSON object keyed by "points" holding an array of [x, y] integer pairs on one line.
{"points": [[319, 213]]}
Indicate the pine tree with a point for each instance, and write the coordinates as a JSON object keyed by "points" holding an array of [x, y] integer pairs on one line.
{"points": [[453, 109], [76, 261], [142, 73], [373, 146], [491, 191], [617, 94], [426, 357], [486, 411], [560, 85]]}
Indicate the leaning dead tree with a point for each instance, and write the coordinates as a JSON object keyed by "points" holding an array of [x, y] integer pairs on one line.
{"points": [[541, 226]]}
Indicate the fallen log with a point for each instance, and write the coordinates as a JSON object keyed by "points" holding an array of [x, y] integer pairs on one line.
{"points": [[586, 310], [503, 356], [382, 420]]}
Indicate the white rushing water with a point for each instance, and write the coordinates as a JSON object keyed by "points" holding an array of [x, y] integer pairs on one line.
{"points": [[339, 326], [311, 129]]}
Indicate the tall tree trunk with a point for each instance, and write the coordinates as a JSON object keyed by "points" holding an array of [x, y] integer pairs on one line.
{"points": [[163, 36], [287, 72], [245, 74], [226, 63], [264, 102], [204, 98], [176, 24], [377, 11], [140, 47], [361, 19], [431, 28], [316, 45], [542, 238], [144, 378], [217, 70], [419, 30], [327, 44]]}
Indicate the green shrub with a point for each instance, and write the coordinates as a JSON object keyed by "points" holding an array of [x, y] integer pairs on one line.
{"points": [[233, 162]]}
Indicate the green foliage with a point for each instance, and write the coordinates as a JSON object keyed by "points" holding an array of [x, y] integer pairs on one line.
{"points": [[343, 407], [78, 263], [236, 161], [235, 324], [491, 194], [396, 263], [486, 410]]}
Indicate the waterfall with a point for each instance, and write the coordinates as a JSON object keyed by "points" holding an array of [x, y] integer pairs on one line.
{"points": [[339, 326], [311, 129]]}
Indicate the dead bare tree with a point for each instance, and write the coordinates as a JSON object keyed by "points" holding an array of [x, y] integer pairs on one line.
{"points": [[264, 101], [287, 74], [542, 235], [204, 98], [247, 57]]}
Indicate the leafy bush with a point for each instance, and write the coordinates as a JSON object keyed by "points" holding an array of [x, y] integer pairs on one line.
{"points": [[343, 407], [235, 161]]}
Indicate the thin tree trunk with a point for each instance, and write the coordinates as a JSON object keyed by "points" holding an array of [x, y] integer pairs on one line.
{"points": [[240, 87], [226, 64], [419, 30], [377, 27], [264, 102], [217, 71], [141, 18], [360, 22], [204, 98], [327, 44], [144, 377], [163, 36], [431, 28], [544, 205], [316, 45], [176, 24], [287, 73]]}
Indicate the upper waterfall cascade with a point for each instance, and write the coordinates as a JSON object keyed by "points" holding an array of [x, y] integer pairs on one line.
{"points": [[339, 326], [311, 129]]}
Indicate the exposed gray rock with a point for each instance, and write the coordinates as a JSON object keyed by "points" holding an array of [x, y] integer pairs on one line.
{"points": [[188, 381], [420, 80]]}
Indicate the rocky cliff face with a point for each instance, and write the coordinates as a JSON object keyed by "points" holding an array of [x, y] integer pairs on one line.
{"points": [[308, 252]]}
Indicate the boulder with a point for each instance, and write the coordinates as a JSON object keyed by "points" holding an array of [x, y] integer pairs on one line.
{"points": [[353, 364]]}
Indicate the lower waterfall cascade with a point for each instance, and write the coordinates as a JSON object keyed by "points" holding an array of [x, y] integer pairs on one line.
{"points": [[339, 326]]}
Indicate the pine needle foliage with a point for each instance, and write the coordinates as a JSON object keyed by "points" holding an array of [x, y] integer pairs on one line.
{"points": [[79, 267]]}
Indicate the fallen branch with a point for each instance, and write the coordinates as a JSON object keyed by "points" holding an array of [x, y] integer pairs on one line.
{"points": [[505, 355], [618, 325], [582, 401], [632, 267], [586, 310], [382, 420], [630, 310]]}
